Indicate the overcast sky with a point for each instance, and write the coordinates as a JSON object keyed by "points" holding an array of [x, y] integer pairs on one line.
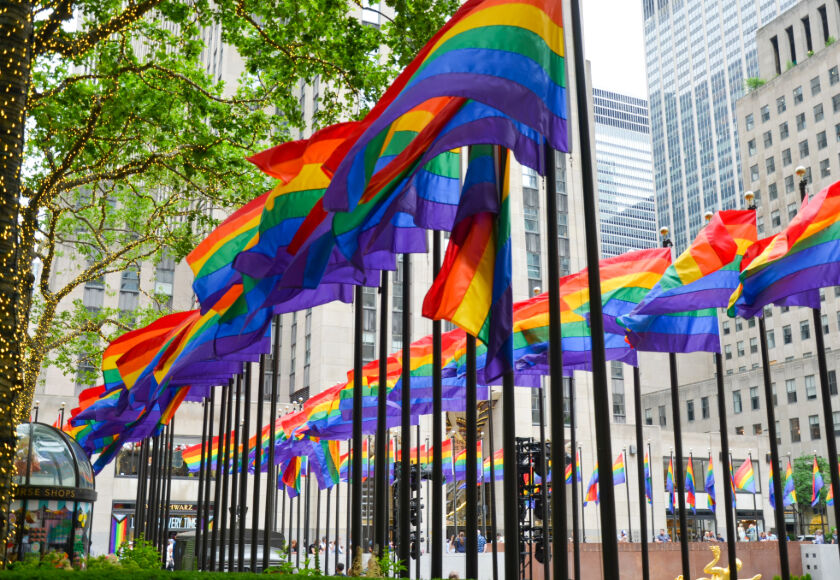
{"points": [[614, 43]]}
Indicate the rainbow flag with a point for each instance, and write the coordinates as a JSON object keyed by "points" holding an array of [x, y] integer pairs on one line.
{"points": [[689, 485], [772, 487], [119, 532], [498, 467], [568, 474], [592, 493], [745, 477], [795, 263], [648, 481], [669, 485], [816, 483], [473, 287], [790, 486], [732, 481], [461, 464], [526, 81], [829, 498], [710, 486], [619, 473]]}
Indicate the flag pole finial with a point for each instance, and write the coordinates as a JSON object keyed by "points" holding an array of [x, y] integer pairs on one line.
{"points": [[708, 216], [749, 198]]}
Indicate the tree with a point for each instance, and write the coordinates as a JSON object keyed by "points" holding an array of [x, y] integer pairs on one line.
{"points": [[803, 479], [116, 142]]}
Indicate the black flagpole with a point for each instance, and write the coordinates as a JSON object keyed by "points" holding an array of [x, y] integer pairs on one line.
{"points": [[381, 467], [142, 479], [208, 472], [221, 467], [601, 393], [306, 504], [728, 497], [234, 473], [317, 541], [169, 480], [418, 528], [825, 392], [356, 489], [348, 556], [297, 534], [337, 514], [149, 513], [151, 519], [511, 516], [680, 470], [437, 429], [405, 427], [582, 497], [627, 491], [576, 538], [544, 492], [492, 484], [255, 516], [201, 512], [640, 475], [771, 426], [243, 482], [226, 469], [471, 476], [327, 531], [271, 477]]}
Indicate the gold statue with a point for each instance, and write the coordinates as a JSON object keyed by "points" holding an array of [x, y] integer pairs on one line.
{"points": [[717, 572]]}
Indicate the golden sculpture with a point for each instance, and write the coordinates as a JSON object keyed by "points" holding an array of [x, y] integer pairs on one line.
{"points": [[717, 572]]}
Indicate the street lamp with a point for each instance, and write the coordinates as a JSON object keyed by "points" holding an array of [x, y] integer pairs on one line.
{"points": [[37, 408], [666, 242], [749, 198], [803, 181]]}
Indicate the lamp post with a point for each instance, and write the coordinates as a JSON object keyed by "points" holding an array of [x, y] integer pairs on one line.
{"points": [[61, 420], [37, 408]]}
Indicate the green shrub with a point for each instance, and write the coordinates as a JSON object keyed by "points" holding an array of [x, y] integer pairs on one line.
{"points": [[116, 573], [830, 40], [142, 555]]}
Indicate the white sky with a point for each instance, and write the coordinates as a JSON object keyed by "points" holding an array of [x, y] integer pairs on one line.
{"points": [[614, 43]]}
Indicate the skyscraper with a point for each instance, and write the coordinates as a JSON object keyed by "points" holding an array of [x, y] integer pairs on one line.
{"points": [[699, 55], [624, 167]]}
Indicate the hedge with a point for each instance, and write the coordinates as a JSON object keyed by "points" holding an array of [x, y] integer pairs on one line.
{"points": [[118, 574]]}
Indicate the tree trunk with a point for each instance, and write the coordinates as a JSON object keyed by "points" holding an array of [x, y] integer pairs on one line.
{"points": [[15, 71]]}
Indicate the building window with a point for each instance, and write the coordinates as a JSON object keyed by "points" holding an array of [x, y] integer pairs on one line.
{"points": [[771, 339], [815, 86], [810, 387], [824, 319], [790, 387], [822, 141], [775, 396], [129, 290], [739, 430], [754, 345], [795, 434], [757, 429], [535, 406], [825, 170], [739, 325], [751, 148], [770, 165], [787, 334], [784, 131], [736, 402], [775, 218], [832, 382], [833, 76], [619, 409], [780, 104], [165, 281], [814, 426], [789, 184], [791, 210], [805, 329], [803, 149], [819, 114], [835, 103], [800, 122], [368, 325], [727, 350], [689, 409], [786, 158], [754, 173], [740, 346], [765, 113], [750, 122], [648, 416], [663, 418], [798, 95], [755, 402], [726, 325]]}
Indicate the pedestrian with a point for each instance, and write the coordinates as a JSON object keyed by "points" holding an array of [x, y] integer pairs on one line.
{"points": [[339, 569], [481, 542], [622, 537], [461, 544], [819, 538], [453, 576], [450, 545], [742, 534], [662, 537], [499, 539], [170, 555], [752, 533]]}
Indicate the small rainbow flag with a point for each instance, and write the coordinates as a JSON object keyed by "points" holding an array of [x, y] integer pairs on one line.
{"points": [[745, 477], [710, 486], [790, 487], [689, 485], [619, 473], [592, 493], [816, 483], [669, 485], [648, 481], [119, 532]]}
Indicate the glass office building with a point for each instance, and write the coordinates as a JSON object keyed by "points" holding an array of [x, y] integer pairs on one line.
{"points": [[624, 171], [699, 55]]}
